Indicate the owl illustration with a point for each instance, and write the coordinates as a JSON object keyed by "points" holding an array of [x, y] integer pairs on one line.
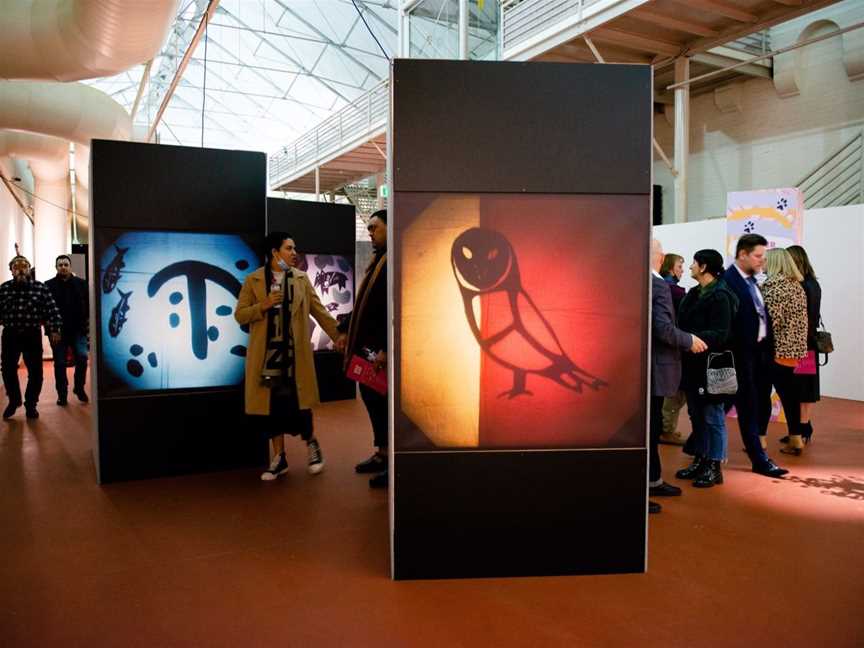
{"points": [[485, 264]]}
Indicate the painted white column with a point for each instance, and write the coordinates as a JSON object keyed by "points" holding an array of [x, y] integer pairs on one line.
{"points": [[682, 137], [463, 29]]}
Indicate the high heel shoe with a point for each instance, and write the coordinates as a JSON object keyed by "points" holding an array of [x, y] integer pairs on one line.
{"points": [[795, 445], [807, 432]]}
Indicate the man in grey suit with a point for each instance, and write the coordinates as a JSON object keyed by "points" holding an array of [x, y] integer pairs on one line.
{"points": [[667, 343]]}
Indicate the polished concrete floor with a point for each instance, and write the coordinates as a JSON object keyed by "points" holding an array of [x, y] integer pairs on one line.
{"points": [[227, 560]]}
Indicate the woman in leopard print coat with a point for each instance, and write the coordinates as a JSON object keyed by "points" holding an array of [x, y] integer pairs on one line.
{"points": [[787, 305]]}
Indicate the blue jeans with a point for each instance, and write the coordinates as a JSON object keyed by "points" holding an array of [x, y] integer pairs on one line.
{"points": [[709, 427], [78, 344]]}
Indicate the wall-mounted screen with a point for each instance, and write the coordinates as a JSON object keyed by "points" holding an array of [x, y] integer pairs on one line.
{"points": [[166, 309], [332, 276], [520, 321]]}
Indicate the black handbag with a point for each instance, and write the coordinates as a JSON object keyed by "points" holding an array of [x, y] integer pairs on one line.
{"points": [[824, 343]]}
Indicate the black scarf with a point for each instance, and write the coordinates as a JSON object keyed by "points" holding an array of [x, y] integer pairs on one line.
{"points": [[279, 356]]}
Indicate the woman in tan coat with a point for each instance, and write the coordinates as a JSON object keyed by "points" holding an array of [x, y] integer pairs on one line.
{"points": [[281, 388], [787, 305]]}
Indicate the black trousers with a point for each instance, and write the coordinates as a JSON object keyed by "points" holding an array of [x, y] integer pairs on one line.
{"points": [[753, 400], [78, 344], [27, 342], [788, 389], [655, 427], [376, 405], [285, 416]]}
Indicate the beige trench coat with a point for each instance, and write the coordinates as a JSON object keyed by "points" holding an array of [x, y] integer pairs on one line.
{"points": [[249, 312]]}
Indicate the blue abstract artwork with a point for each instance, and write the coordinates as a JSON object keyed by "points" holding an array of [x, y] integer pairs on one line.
{"points": [[167, 306]]}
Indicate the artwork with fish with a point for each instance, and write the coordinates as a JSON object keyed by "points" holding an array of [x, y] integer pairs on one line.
{"points": [[118, 314], [112, 274]]}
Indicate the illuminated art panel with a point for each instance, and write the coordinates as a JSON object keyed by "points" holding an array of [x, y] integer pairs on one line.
{"points": [[167, 310], [332, 277], [521, 321]]}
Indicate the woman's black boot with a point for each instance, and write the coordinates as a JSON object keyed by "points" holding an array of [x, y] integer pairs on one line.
{"points": [[710, 476], [692, 470]]}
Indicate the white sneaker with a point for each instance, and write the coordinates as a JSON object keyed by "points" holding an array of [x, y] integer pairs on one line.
{"points": [[316, 458], [277, 467]]}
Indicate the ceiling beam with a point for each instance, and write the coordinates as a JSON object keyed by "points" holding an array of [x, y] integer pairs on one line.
{"points": [[671, 22], [348, 166], [721, 9], [208, 14], [719, 62], [635, 41]]}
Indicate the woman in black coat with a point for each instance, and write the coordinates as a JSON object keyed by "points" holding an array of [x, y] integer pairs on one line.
{"points": [[808, 384], [707, 311]]}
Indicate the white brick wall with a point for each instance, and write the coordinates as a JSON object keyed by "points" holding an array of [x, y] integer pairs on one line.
{"points": [[773, 141]]}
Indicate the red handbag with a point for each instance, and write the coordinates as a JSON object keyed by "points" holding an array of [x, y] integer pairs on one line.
{"points": [[807, 365], [363, 371]]}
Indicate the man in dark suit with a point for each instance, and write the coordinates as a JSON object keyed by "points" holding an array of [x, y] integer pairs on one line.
{"points": [[753, 348], [667, 342]]}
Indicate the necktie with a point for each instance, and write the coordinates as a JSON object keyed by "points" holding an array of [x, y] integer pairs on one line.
{"points": [[757, 303]]}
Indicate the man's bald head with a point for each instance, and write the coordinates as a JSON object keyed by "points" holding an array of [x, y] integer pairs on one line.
{"points": [[656, 255]]}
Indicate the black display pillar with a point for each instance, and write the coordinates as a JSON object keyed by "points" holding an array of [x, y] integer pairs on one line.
{"points": [[166, 407], [322, 230], [518, 250]]}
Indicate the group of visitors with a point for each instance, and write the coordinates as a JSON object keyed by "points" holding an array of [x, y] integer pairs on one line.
{"points": [[725, 344]]}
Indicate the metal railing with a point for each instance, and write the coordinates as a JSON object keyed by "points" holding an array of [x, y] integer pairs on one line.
{"points": [[522, 19], [839, 179], [363, 118], [753, 44]]}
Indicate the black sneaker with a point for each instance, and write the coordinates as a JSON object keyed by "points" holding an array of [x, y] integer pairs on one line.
{"points": [[82, 395], [374, 464], [277, 467], [62, 400], [316, 458], [381, 480], [32, 413], [9, 412]]}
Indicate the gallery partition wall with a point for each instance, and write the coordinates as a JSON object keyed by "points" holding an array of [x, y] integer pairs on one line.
{"points": [[174, 232], [519, 263]]}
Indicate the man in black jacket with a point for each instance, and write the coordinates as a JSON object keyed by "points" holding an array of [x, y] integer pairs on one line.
{"points": [[667, 343], [367, 329], [25, 306], [72, 298]]}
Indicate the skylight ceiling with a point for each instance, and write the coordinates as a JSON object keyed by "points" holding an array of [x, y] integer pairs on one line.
{"points": [[274, 69]]}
